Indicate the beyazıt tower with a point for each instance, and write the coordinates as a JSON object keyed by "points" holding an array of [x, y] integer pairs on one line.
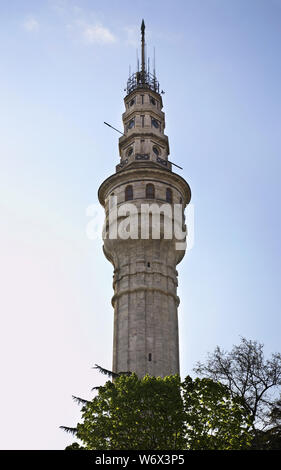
{"points": [[145, 283]]}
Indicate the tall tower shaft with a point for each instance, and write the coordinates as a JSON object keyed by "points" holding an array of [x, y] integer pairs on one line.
{"points": [[145, 283]]}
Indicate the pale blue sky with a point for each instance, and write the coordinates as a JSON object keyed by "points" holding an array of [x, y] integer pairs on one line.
{"points": [[64, 66]]}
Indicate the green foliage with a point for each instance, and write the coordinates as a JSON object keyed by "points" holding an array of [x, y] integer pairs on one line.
{"points": [[130, 413], [270, 439], [256, 380], [213, 419], [75, 446], [248, 375], [161, 414], [267, 440]]}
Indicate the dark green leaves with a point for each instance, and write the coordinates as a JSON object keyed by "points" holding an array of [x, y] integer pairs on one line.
{"points": [[163, 413]]}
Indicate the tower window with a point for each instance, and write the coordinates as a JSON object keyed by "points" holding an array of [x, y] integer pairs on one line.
{"points": [[149, 357], [169, 195], [152, 101], [142, 99], [150, 191], [131, 124], [132, 102], [142, 121], [129, 193], [148, 265], [156, 151], [130, 151], [155, 123]]}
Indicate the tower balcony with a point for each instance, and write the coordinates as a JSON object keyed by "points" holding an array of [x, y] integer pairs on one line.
{"points": [[142, 80]]}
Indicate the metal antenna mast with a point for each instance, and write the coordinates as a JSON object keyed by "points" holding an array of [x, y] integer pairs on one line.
{"points": [[142, 51], [138, 62]]}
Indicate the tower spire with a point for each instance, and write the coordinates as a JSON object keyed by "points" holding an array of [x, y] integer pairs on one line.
{"points": [[143, 51], [142, 78]]}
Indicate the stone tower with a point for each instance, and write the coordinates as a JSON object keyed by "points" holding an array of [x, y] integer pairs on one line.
{"points": [[145, 297]]}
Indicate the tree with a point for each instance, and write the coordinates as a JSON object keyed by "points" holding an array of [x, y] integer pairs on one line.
{"points": [[213, 418], [249, 376], [161, 414], [130, 413], [270, 439]]}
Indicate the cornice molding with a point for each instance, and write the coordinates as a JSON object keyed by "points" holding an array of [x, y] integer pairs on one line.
{"points": [[141, 171]]}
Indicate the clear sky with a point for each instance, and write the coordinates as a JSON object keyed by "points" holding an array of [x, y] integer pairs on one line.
{"points": [[64, 66]]}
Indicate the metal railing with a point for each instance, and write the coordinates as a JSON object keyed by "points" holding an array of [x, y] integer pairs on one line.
{"points": [[142, 80]]}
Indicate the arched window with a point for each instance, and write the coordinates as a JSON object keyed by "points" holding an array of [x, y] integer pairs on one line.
{"points": [[150, 191], [155, 123], [156, 150], [131, 124], [129, 193], [130, 151], [169, 195]]}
